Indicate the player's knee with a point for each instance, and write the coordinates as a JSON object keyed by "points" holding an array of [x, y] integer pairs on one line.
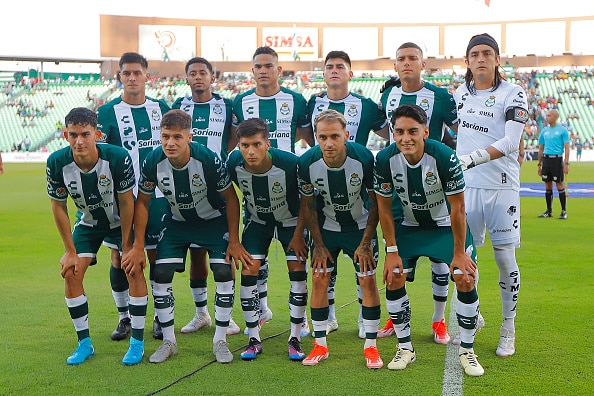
{"points": [[163, 273], [221, 272]]}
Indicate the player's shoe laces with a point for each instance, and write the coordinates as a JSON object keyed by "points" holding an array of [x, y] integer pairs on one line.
{"points": [[563, 215], [331, 326], [295, 351], [305, 331], [135, 352], [198, 322], [470, 364], [372, 358], [387, 330], [222, 352], [546, 214], [233, 327], [402, 359], [122, 330], [157, 330], [166, 349], [317, 354], [440, 332], [254, 349], [264, 317], [480, 323], [507, 342], [83, 351]]}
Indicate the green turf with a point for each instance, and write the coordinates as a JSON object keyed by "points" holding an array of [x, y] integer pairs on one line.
{"points": [[554, 348]]}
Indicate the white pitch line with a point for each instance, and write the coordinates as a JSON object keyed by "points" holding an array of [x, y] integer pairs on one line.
{"points": [[452, 372]]}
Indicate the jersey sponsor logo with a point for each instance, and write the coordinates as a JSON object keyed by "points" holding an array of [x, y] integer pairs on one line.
{"points": [[143, 130], [270, 209], [343, 208], [104, 181], [283, 121], [424, 104], [217, 109], [486, 114], [285, 109], [430, 178], [490, 102], [214, 119], [355, 180], [453, 184], [433, 192], [190, 205], [503, 178], [277, 188], [352, 111], [338, 196], [156, 115], [278, 135], [206, 132], [502, 230], [425, 206], [200, 119], [475, 127], [100, 205], [149, 143]]}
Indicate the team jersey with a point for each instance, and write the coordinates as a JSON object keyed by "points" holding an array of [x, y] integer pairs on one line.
{"points": [[271, 197], [343, 192], [362, 114], [193, 192], [137, 128], [284, 112], [436, 101], [554, 139], [423, 187], [211, 121], [482, 123], [94, 192]]}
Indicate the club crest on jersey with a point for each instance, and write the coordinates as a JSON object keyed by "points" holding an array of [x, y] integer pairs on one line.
{"points": [[217, 109], [104, 181], [490, 102], [277, 188], [355, 180], [285, 109], [155, 115], [352, 111], [424, 104], [430, 178], [196, 180]]}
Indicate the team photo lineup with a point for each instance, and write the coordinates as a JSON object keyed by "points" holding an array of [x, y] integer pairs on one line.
{"points": [[219, 180]]}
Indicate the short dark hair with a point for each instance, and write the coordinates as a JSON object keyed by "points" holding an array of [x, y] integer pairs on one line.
{"points": [[251, 127], [176, 119], [265, 51], [411, 111], [340, 55], [198, 59], [133, 57], [410, 44], [81, 116]]}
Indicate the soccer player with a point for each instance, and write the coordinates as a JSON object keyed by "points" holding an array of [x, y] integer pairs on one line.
{"points": [[100, 179], [363, 115], [553, 161], [285, 112], [133, 121], [344, 219], [204, 211], [439, 105], [492, 114], [428, 178], [211, 127], [267, 178]]}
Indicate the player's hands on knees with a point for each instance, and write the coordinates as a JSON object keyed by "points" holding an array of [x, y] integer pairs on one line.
{"points": [[465, 265], [133, 261], [393, 268], [69, 262], [364, 256], [299, 247], [237, 253], [319, 259]]}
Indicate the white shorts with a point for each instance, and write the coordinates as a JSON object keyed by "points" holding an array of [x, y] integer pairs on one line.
{"points": [[496, 211]]}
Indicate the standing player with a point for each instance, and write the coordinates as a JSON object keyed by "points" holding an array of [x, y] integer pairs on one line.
{"points": [[427, 177], [100, 179], [553, 149], [492, 114], [204, 211], [362, 115], [133, 121], [440, 108], [267, 178], [285, 113], [211, 127], [345, 218]]}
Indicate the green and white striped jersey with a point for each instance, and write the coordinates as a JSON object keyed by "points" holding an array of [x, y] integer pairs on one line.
{"points": [[193, 192], [423, 187], [137, 128], [342, 192], [437, 102], [273, 197], [211, 121], [284, 112], [362, 114], [94, 192]]}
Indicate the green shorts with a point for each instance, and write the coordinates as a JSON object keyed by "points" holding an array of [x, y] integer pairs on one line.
{"points": [[435, 243], [87, 240], [348, 242], [256, 239]]}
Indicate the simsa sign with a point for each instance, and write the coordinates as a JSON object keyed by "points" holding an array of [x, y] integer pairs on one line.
{"points": [[292, 43]]}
